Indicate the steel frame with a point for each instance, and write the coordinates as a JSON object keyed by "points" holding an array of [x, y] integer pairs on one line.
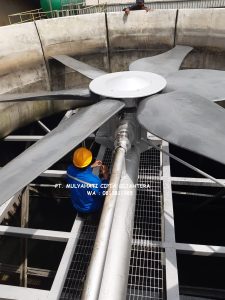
{"points": [[172, 284], [23, 138], [37, 234], [30, 271], [14, 292], [61, 274], [170, 246], [21, 293]]}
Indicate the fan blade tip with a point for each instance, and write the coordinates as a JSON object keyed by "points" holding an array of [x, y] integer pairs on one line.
{"points": [[186, 120]]}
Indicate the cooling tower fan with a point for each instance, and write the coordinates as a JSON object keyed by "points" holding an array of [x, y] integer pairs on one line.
{"points": [[179, 106]]}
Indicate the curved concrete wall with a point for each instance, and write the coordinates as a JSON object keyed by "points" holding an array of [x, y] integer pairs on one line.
{"points": [[21, 59], [22, 69], [82, 36], [203, 29], [149, 33], [109, 41], [141, 30]]}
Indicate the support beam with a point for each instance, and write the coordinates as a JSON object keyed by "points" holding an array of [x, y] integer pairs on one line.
{"points": [[154, 138], [193, 194], [43, 185], [6, 268], [203, 250], [23, 138], [54, 173], [191, 249], [11, 292], [43, 126], [23, 242], [37, 234], [172, 285], [202, 293], [196, 181], [62, 271], [30, 138]]}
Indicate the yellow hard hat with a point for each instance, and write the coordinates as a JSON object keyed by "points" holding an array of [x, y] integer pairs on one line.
{"points": [[82, 157]]}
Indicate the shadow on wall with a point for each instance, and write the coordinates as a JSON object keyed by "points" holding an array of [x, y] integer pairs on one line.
{"points": [[15, 6]]}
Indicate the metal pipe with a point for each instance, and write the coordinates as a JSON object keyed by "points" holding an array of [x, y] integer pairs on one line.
{"points": [[94, 275], [124, 138], [116, 269], [43, 126]]}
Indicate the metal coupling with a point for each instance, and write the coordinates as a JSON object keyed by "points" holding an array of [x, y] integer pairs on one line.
{"points": [[124, 136]]}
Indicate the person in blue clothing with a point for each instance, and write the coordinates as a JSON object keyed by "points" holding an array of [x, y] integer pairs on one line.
{"points": [[87, 189]]}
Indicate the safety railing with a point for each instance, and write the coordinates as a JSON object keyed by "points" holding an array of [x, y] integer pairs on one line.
{"points": [[27, 16], [67, 10], [97, 6]]}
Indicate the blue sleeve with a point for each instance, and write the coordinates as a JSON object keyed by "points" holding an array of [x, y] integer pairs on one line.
{"points": [[100, 185]]}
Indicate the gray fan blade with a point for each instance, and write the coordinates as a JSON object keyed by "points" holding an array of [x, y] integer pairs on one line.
{"points": [[73, 94], [44, 153], [186, 120], [206, 83], [162, 64], [85, 69]]}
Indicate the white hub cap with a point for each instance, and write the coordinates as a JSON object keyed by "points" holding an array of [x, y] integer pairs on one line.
{"points": [[130, 84]]}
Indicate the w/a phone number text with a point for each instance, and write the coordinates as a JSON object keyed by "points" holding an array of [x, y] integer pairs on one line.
{"points": [[113, 193]]}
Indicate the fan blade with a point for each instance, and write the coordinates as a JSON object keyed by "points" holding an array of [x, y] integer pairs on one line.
{"points": [[84, 69], [73, 94], [44, 153], [162, 64], [209, 84], [186, 120]]}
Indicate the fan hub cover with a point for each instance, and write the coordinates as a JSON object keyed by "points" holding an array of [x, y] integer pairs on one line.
{"points": [[131, 84]]}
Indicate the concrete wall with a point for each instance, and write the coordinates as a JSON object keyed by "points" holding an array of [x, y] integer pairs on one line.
{"points": [[149, 33], [83, 37], [104, 40], [203, 29], [22, 63], [9, 7], [108, 41], [22, 69]]}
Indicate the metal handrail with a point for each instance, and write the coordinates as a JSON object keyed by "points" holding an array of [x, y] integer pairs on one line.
{"points": [[39, 14], [70, 9]]}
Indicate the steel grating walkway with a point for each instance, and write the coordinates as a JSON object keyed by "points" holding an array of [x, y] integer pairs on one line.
{"points": [[74, 283], [146, 263], [73, 286]]}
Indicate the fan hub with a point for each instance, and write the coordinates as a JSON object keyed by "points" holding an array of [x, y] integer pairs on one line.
{"points": [[131, 84]]}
